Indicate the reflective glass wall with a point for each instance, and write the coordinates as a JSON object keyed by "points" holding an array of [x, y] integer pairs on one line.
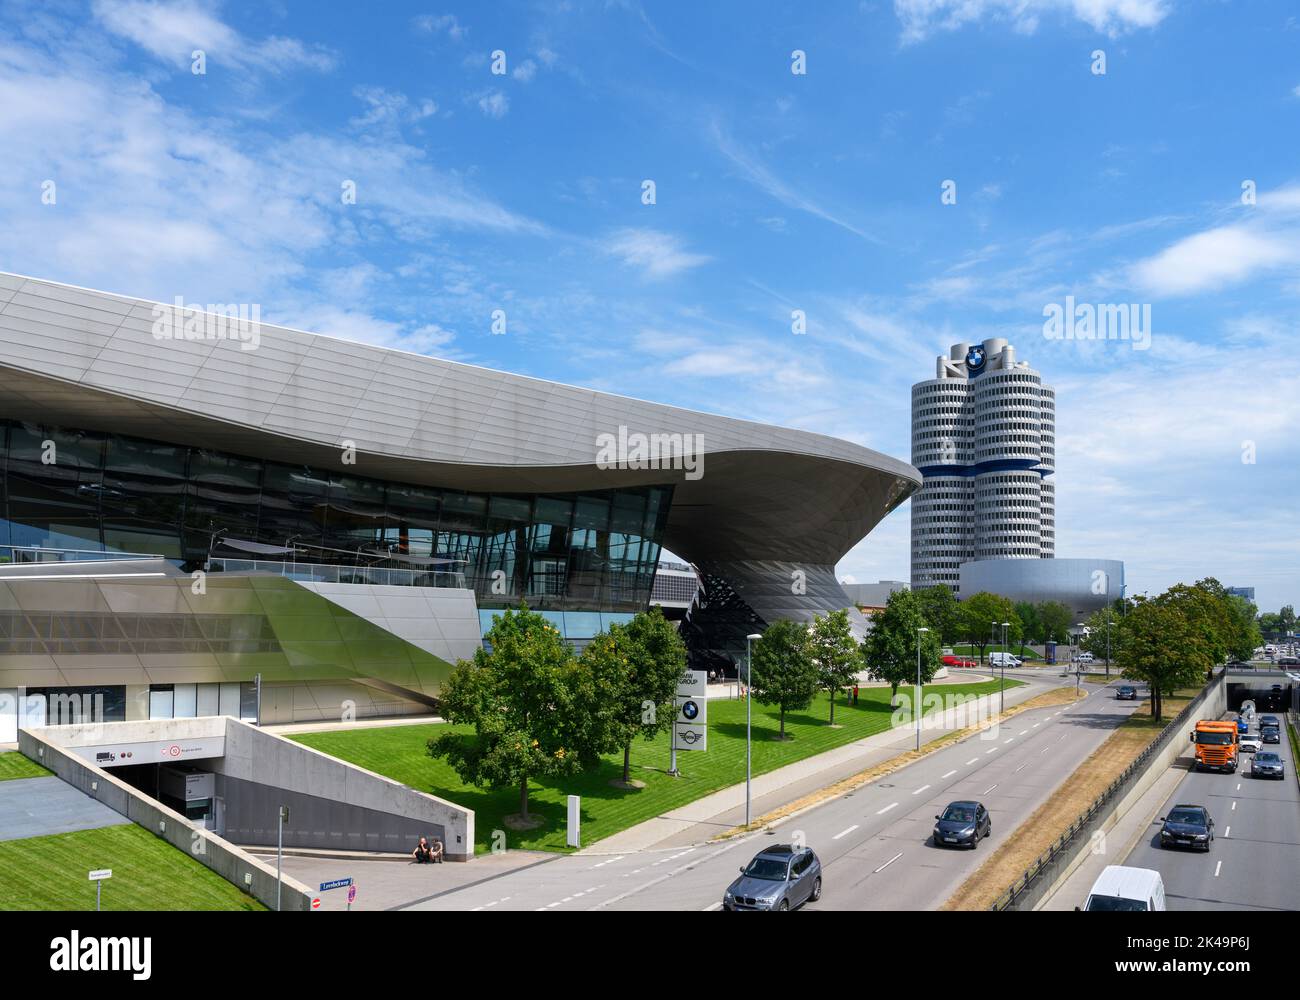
{"points": [[85, 490]]}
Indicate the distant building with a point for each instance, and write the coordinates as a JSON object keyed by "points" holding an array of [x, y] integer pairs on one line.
{"points": [[872, 597], [1247, 592]]}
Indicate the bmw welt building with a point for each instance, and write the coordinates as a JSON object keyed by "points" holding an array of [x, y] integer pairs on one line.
{"points": [[192, 501]]}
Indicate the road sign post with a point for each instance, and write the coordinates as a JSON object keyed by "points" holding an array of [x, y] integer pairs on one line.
{"points": [[98, 876], [279, 855], [574, 836], [690, 730]]}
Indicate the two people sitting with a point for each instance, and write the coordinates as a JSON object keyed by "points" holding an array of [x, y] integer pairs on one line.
{"points": [[428, 852]]}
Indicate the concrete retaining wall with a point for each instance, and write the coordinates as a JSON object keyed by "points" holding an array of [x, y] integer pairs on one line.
{"points": [[356, 809], [234, 865]]}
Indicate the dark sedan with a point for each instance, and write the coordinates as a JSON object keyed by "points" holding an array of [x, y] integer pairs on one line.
{"points": [[1187, 826], [1267, 765], [1270, 734], [1126, 692], [963, 823], [779, 878]]}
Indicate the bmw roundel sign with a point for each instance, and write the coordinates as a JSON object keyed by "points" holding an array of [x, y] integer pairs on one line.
{"points": [[975, 360]]}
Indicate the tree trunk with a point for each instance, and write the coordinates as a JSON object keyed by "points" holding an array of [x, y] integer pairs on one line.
{"points": [[832, 705], [523, 797], [893, 695], [627, 761], [783, 722]]}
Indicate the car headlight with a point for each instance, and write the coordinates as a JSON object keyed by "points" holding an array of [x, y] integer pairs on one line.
{"points": [[1202, 836]]}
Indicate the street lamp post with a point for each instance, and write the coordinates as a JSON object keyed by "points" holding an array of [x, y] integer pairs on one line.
{"points": [[992, 632], [749, 713], [916, 701], [1002, 690]]}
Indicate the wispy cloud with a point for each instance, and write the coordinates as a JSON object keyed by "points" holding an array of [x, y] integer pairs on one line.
{"points": [[655, 254], [171, 32], [758, 174], [922, 18]]}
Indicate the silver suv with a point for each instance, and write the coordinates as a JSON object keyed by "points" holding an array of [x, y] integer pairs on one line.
{"points": [[779, 878]]}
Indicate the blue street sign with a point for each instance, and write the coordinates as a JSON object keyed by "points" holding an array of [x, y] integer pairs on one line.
{"points": [[338, 883]]}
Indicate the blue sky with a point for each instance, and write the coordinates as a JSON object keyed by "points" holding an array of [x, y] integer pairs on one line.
{"points": [[774, 192]]}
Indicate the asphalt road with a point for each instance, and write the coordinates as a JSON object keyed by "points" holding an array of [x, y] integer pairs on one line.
{"points": [[1254, 862], [873, 843]]}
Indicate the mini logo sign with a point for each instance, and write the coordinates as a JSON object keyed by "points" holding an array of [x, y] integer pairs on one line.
{"points": [[975, 359]]}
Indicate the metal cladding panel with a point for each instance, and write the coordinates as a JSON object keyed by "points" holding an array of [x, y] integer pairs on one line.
{"points": [[1079, 584], [765, 493]]}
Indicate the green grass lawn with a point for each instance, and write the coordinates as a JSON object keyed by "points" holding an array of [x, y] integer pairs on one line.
{"points": [[15, 765], [399, 753], [49, 873]]}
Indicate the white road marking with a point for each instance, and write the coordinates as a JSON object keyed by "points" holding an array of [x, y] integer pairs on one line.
{"points": [[845, 833], [990, 788], [970, 762], [993, 750], [1035, 725], [1234, 807], [1216, 869], [1022, 732], [920, 790], [1227, 831], [951, 773], [888, 863], [881, 812], [1239, 786], [1044, 750], [1024, 765], [713, 906], [609, 861]]}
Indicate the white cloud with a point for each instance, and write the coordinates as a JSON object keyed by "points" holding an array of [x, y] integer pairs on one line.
{"points": [[385, 107], [525, 71], [1214, 259], [922, 18], [656, 255], [435, 24], [493, 103], [171, 32]]}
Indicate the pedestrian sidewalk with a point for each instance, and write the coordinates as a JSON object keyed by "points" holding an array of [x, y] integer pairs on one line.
{"points": [[698, 821]]}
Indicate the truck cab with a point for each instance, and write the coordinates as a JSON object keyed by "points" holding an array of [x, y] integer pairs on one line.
{"points": [[1217, 745]]}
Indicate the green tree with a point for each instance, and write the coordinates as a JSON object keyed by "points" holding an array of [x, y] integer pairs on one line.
{"points": [[835, 653], [783, 670], [1031, 623], [1246, 637], [980, 611], [1056, 620], [636, 669], [942, 612], [1159, 644], [890, 648], [530, 703]]}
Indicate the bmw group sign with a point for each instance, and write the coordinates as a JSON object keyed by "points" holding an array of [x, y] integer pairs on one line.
{"points": [[689, 731], [975, 359]]}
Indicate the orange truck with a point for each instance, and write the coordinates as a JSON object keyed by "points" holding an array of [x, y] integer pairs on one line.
{"points": [[1216, 745]]}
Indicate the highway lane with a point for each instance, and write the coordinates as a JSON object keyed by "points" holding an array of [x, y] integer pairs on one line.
{"points": [[1254, 862], [874, 842]]}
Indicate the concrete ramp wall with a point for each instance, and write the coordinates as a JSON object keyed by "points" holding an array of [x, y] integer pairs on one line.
{"points": [[48, 747], [333, 805]]}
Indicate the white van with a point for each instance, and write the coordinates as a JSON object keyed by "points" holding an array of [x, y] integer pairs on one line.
{"points": [[1000, 659], [1121, 888]]}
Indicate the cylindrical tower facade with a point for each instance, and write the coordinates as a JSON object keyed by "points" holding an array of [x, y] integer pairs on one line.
{"points": [[984, 438]]}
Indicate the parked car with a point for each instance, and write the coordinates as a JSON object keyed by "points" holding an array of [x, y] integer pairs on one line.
{"points": [[1250, 742], [1270, 734], [778, 878], [964, 822], [955, 661], [1083, 658], [1188, 826], [1122, 888], [1126, 692], [1000, 659], [1267, 764]]}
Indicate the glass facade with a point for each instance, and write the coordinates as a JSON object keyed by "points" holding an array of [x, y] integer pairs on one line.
{"points": [[101, 493]]}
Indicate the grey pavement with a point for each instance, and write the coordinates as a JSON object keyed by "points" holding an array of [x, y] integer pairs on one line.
{"points": [[1254, 862], [37, 807], [390, 883], [873, 842]]}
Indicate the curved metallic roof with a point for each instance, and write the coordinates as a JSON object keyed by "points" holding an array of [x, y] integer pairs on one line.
{"points": [[89, 359]]}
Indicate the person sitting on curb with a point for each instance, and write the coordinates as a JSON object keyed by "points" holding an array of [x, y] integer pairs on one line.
{"points": [[426, 853]]}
